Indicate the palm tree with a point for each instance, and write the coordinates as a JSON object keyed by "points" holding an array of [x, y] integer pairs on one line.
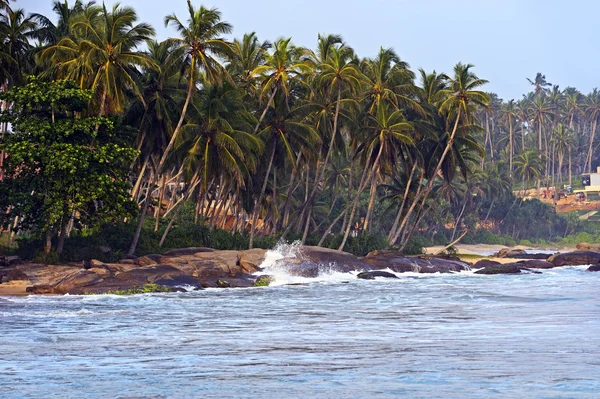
{"points": [[592, 112], [100, 54], [528, 165], [200, 44], [285, 133], [510, 113], [563, 142], [539, 83], [16, 31], [388, 130], [247, 55], [284, 64]]}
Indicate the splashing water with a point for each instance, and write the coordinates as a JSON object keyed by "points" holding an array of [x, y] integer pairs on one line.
{"points": [[275, 265]]}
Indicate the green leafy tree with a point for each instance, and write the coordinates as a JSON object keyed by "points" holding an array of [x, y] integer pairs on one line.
{"points": [[62, 168]]}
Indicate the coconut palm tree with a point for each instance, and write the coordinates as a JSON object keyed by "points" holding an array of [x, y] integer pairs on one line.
{"points": [[16, 32], [200, 45], [509, 112], [592, 113], [101, 54], [540, 84], [528, 166]]}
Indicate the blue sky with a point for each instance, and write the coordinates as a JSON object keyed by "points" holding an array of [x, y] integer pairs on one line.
{"points": [[507, 40]]}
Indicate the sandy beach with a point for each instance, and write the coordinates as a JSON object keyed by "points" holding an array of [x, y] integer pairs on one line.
{"points": [[15, 288]]}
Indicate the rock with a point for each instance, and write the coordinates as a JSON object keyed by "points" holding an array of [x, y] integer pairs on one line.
{"points": [[399, 263], [332, 259], [76, 282], [481, 263], [149, 274], [128, 261], [299, 267], [536, 264], [538, 256], [506, 268], [97, 263], [145, 261], [154, 257], [180, 281], [509, 253], [586, 247], [12, 260], [16, 274], [130, 257], [250, 260], [187, 251], [575, 258], [593, 268], [101, 271], [377, 273]]}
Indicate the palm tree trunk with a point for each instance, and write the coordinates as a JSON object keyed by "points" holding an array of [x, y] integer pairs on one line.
{"points": [[510, 138], [264, 113], [181, 118], [570, 170], [406, 191], [160, 201], [261, 197], [136, 187], [144, 211], [360, 190], [371, 203], [178, 209], [591, 147], [286, 208]]}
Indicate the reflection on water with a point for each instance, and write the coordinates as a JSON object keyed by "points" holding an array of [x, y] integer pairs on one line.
{"points": [[451, 336]]}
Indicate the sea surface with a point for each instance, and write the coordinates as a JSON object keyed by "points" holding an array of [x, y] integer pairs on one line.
{"points": [[419, 336]]}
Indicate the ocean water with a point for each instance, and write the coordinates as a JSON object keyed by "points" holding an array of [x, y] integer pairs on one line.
{"points": [[432, 336]]}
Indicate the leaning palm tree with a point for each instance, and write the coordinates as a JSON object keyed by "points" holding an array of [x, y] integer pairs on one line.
{"points": [[200, 44]]}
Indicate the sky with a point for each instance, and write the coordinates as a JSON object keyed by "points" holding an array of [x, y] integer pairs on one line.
{"points": [[506, 40]]}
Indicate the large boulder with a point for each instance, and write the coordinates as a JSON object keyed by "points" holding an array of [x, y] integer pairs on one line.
{"points": [[575, 258], [332, 259], [481, 263], [145, 261], [187, 251], [250, 260], [534, 256], [399, 263], [593, 268]]}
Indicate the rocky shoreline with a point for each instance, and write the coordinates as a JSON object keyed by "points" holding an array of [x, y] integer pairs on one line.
{"points": [[198, 268]]}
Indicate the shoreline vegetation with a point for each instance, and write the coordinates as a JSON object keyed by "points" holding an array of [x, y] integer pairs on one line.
{"points": [[116, 144]]}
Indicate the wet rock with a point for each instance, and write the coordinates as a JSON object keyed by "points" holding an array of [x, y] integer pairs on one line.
{"points": [[481, 263], [399, 263], [506, 268], [187, 251], [536, 264], [593, 268], [180, 281], [538, 256], [377, 273], [575, 258], [299, 267], [332, 259], [145, 261], [250, 260]]}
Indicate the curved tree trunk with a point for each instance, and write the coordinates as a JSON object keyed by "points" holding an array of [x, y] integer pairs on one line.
{"points": [[261, 197], [181, 118]]}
